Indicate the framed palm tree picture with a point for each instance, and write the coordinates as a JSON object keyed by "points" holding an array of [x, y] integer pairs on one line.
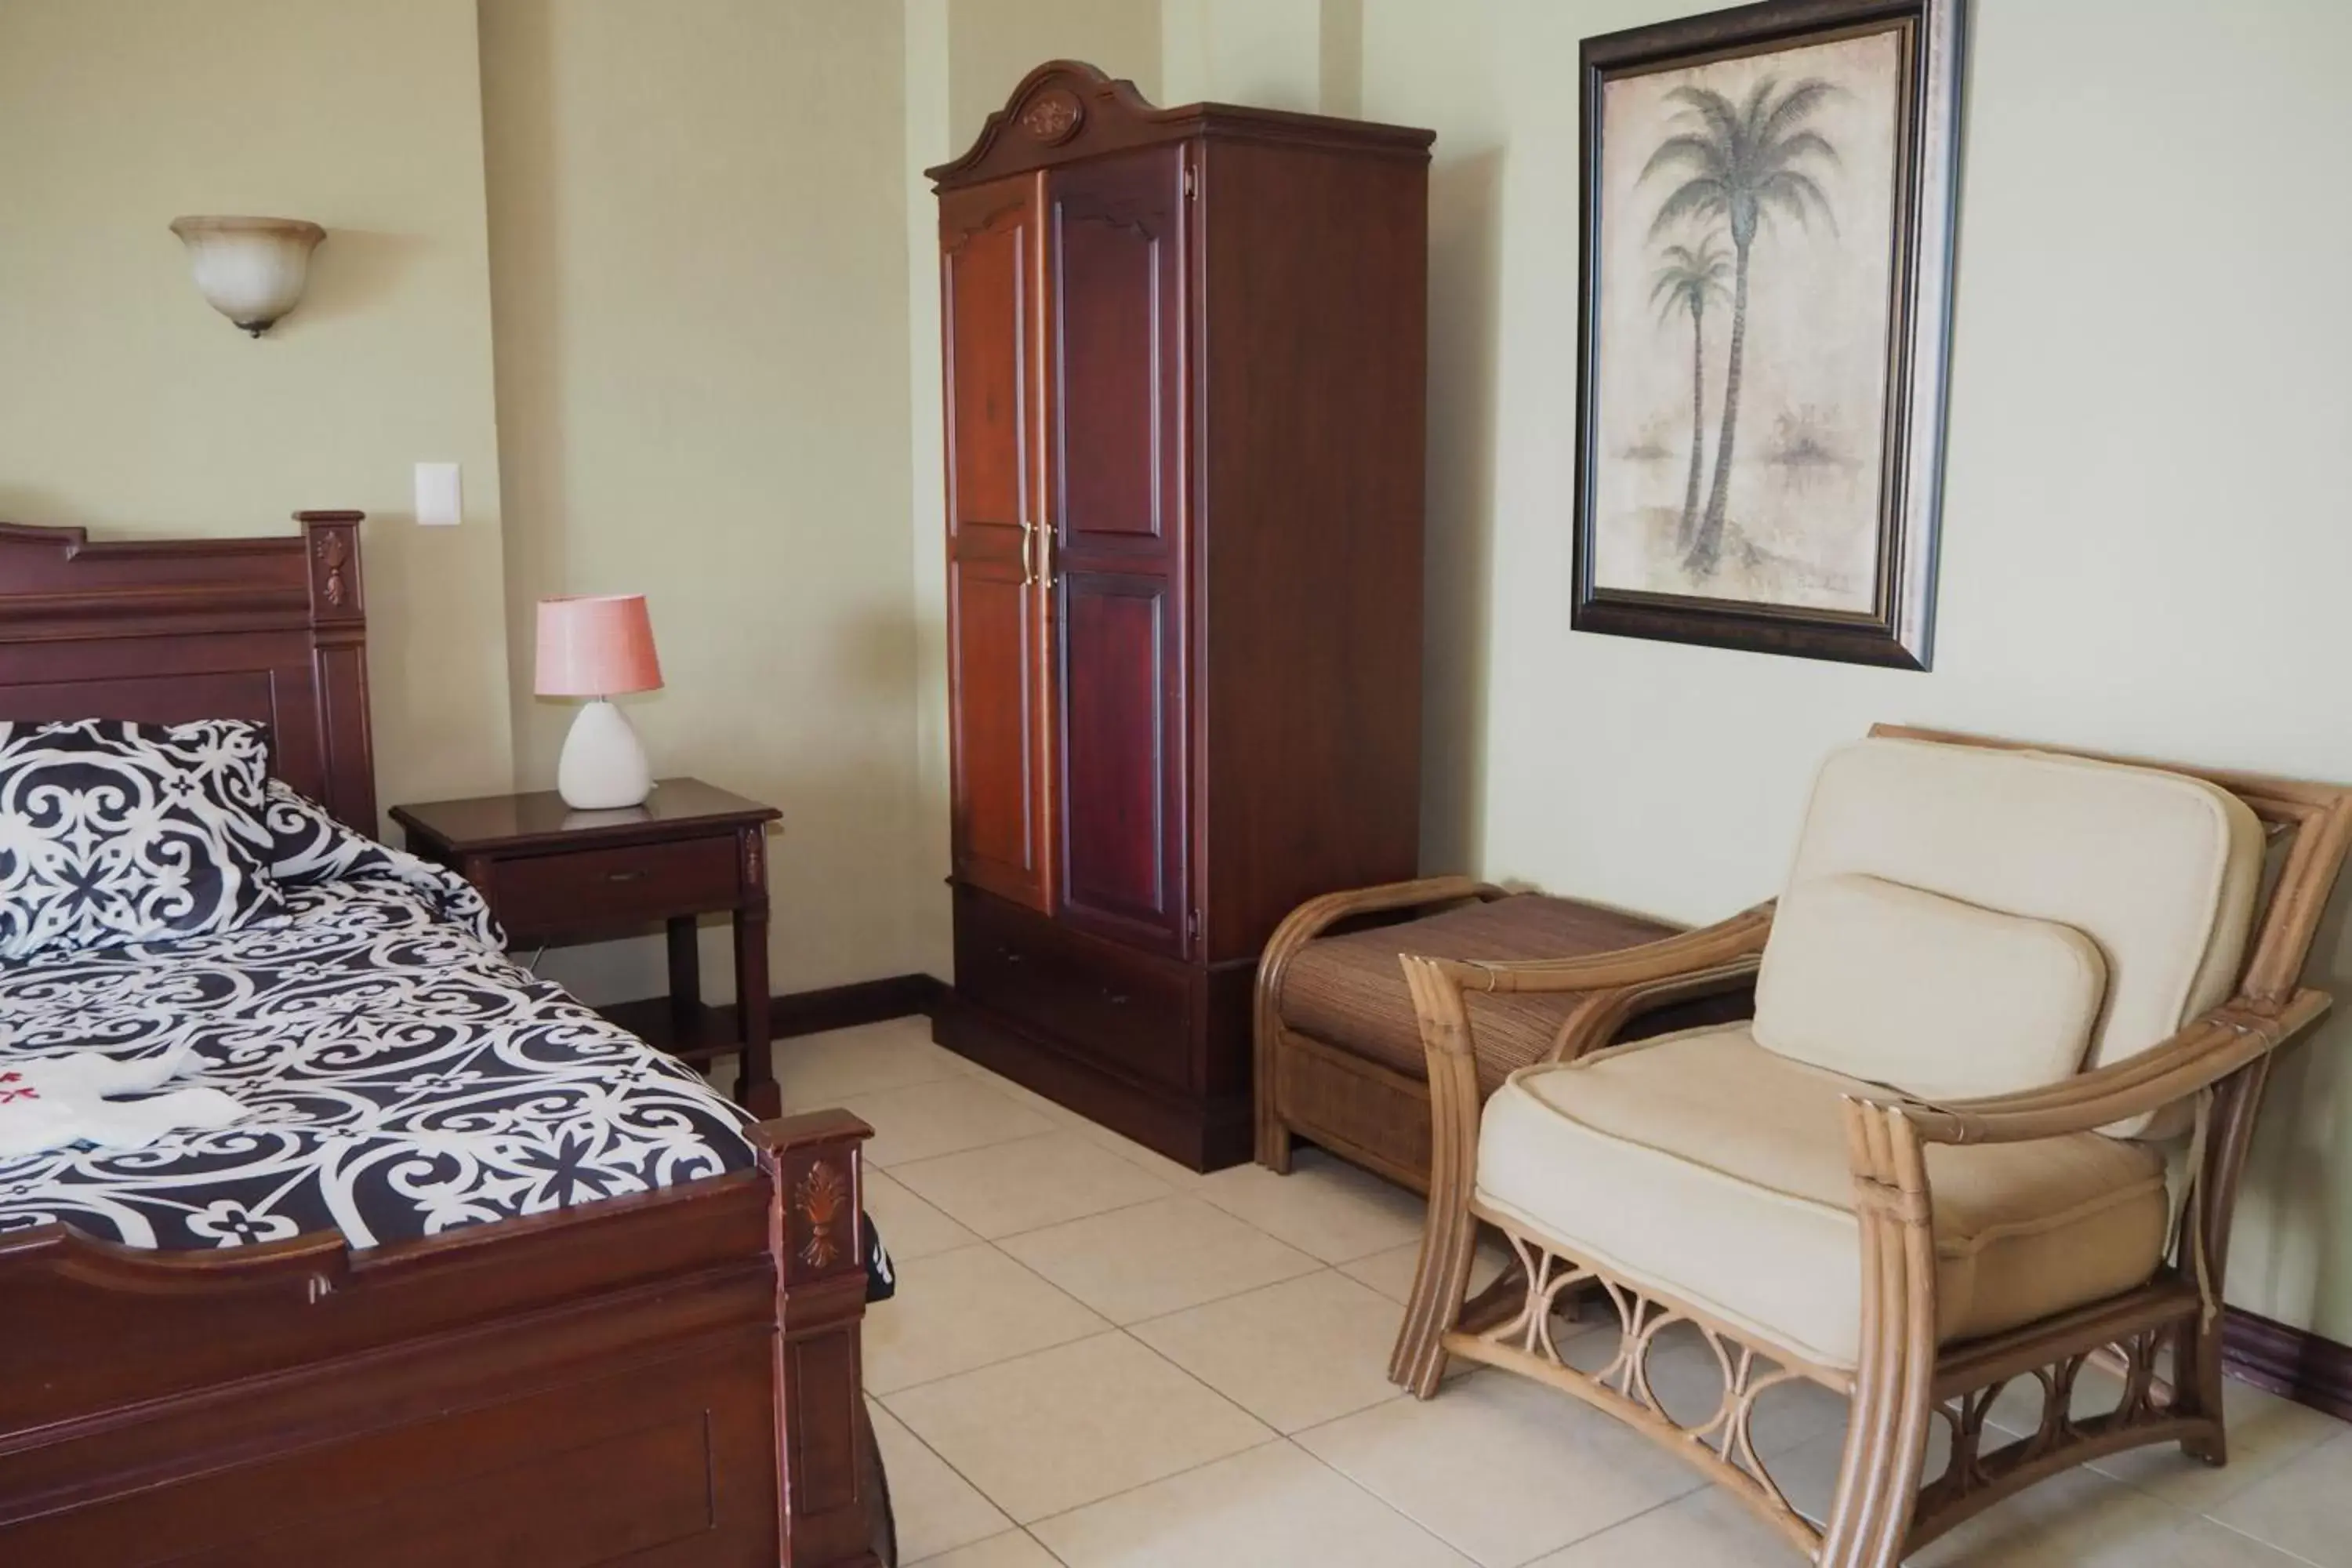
{"points": [[1769, 202]]}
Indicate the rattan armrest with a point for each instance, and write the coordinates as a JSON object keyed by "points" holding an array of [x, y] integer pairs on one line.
{"points": [[1623, 983], [1603, 1015], [1317, 915], [2201, 1054], [1689, 953]]}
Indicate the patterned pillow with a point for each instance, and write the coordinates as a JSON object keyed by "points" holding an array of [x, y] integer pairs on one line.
{"points": [[114, 833], [304, 846], [307, 848]]}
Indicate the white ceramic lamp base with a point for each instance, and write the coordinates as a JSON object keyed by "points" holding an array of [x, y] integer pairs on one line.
{"points": [[603, 765]]}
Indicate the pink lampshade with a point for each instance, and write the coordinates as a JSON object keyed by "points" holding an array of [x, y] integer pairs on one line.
{"points": [[596, 645]]}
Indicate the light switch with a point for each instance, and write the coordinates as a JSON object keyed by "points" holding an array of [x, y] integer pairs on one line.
{"points": [[438, 501]]}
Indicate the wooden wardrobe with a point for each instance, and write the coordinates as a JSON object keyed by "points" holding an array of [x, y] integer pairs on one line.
{"points": [[1185, 352]]}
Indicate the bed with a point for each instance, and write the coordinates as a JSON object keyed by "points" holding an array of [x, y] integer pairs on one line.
{"points": [[481, 1277]]}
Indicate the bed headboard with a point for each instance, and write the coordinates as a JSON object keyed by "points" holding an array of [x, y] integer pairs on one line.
{"points": [[169, 630]]}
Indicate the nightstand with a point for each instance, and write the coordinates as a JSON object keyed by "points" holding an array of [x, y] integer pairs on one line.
{"points": [[553, 875]]}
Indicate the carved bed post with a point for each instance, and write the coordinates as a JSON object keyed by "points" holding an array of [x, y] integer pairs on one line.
{"points": [[331, 545], [818, 1244]]}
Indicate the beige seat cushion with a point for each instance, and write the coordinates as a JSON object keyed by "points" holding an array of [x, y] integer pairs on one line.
{"points": [[1939, 998], [1711, 1169], [2157, 869]]}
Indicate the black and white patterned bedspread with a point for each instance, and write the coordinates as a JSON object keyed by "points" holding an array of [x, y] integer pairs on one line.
{"points": [[403, 1078]]}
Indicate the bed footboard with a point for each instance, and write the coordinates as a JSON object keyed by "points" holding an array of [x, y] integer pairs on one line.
{"points": [[671, 1378], [826, 1514]]}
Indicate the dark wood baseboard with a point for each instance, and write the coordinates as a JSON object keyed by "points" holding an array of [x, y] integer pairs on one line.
{"points": [[711, 1031], [2295, 1363]]}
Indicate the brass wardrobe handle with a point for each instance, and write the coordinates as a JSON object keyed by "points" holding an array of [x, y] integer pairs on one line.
{"points": [[1028, 544], [1045, 555]]}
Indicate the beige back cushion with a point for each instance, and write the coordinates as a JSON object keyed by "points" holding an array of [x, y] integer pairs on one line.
{"points": [[1939, 998], [2158, 869]]}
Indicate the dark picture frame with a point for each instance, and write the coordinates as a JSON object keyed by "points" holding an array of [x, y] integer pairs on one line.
{"points": [[1700, 216]]}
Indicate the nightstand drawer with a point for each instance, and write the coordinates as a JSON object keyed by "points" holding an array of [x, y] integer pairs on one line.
{"points": [[588, 890]]}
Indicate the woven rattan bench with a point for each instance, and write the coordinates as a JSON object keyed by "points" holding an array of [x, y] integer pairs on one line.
{"points": [[1340, 1057]]}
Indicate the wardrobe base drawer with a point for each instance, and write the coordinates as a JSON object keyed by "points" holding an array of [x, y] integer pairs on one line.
{"points": [[1131, 1012], [1206, 1132]]}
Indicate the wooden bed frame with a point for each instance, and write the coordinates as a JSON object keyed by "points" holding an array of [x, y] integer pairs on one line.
{"points": [[671, 1378]]}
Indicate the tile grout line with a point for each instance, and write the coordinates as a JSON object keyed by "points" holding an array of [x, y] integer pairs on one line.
{"points": [[974, 1148], [1274, 1435], [1339, 1264], [1108, 1327], [1030, 1230], [997, 1535], [948, 1464], [1320, 1267], [1591, 1535], [2295, 1557], [1442, 1542], [1272, 1440], [1128, 1330], [1042, 1546]]}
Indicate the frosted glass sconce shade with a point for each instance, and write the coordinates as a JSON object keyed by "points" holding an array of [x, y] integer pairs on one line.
{"points": [[250, 270]]}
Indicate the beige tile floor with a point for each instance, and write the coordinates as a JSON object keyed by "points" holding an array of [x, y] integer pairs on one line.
{"points": [[1098, 1359]]}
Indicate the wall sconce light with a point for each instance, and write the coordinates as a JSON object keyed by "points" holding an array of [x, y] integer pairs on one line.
{"points": [[250, 270]]}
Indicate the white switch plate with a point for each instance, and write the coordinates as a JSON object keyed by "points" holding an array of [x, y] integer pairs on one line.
{"points": [[438, 501]]}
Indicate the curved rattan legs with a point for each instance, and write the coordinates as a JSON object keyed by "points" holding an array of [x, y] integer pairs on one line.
{"points": [[1886, 1436], [1438, 1287], [2197, 1377], [1450, 1235]]}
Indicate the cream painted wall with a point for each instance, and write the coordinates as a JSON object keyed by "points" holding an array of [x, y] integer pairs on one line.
{"points": [[127, 406], [2145, 543], [1267, 53], [701, 312], [1301, 54], [929, 71], [993, 44]]}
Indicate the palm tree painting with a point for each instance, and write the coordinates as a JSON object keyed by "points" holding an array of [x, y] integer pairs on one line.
{"points": [[1741, 164], [1767, 272], [1686, 282]]}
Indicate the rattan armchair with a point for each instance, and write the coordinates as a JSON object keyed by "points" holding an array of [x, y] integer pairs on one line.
{"points": [[1939, 1325]]}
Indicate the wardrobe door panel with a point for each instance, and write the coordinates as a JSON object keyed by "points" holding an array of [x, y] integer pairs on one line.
{"points": [[1114, 442], [997, 836], [999, 668], [1116, 717]]}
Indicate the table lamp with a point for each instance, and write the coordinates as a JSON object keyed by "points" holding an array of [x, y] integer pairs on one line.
{"points": [[598, 645]]}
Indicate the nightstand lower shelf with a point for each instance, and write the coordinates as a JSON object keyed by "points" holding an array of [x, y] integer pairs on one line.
{"points": [[700, 1036]]}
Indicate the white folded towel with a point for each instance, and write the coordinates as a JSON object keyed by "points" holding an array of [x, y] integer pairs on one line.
{"points": [[51, 1103]]}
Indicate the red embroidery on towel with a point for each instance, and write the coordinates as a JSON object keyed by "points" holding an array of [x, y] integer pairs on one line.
{"points": [[6, 1094]]}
